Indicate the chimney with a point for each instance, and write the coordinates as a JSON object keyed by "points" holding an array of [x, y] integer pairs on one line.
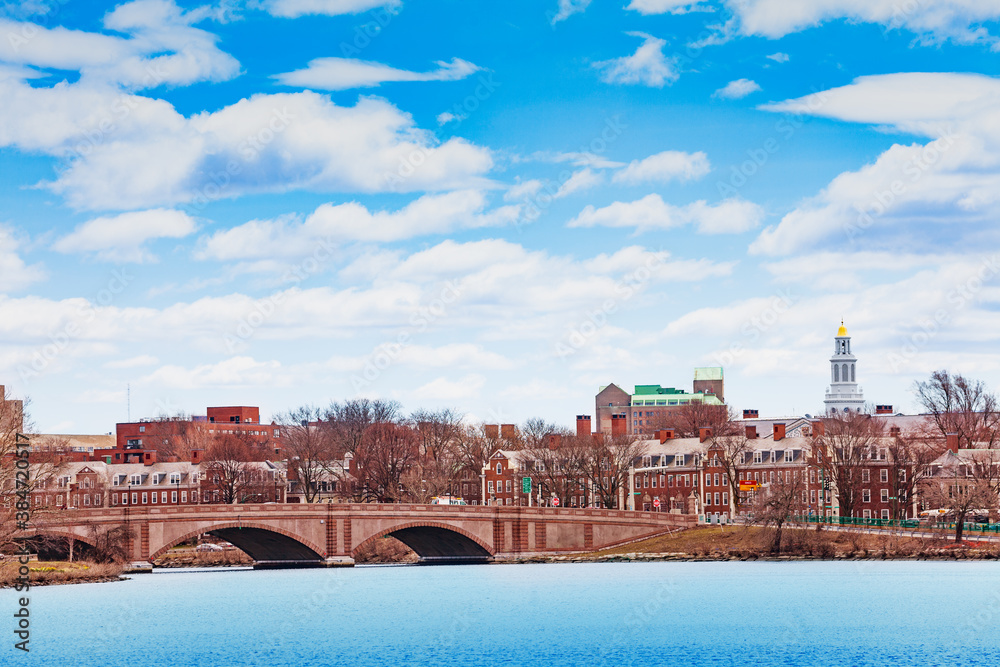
{"points": [[669, 434], [751, 432], [196, 455], [894, 430], [619, 424], [491, 431], [883, 409], [661, 435], [149, 457], [779, 432], [508, 431], [819, 428], [582, 426], [554, 441], [750, 414], [952, 440], [704, 433]]}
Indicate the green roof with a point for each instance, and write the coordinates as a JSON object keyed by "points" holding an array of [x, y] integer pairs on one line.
{"points": [[708, 373], [650, 389]]}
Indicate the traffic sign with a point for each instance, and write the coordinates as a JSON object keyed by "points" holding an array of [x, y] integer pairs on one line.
{"points": [[656, 502], [526, 485], [555, 502]]}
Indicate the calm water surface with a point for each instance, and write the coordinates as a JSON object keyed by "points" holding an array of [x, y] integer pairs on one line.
{"points": [[798, 613]]}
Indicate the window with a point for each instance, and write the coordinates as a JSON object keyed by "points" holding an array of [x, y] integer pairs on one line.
{"points": [[489, 486], [155, 478], [866, 496], [154, 497], [194, 496], [866, 475], [499, 468], [812, 476], [184, 496], [788, 456], [144, 500], [135, 479], [758, 457], [142, 429], [654, 481], [884, 474], [902, 475], [716, 498], [86, 499], [725, 497], [812, 496], [867, 514], [716, 479], [114, 498], [508, 486], [173, 497], [670, 480], [163, 497], [725, 478], [773, 456], [885, 495], [885, 515], [135, 498]]}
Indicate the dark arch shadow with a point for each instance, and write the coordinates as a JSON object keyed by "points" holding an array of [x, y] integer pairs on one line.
{"points": [[269, 548], [438, 544]]}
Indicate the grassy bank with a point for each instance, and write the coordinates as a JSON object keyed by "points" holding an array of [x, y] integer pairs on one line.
{"points": [[44, 573]]}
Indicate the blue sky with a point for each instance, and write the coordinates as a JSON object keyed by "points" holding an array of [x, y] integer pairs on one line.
{"points": [[496, 207]]}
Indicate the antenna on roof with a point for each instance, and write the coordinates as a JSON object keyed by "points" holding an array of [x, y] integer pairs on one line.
{"points": [[128, 401]]}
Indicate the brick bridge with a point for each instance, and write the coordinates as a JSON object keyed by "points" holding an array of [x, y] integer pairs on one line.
{"points": [[303, 535]]}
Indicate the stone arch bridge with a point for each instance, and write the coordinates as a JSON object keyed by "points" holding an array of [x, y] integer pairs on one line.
{"points": [[311, 535]]}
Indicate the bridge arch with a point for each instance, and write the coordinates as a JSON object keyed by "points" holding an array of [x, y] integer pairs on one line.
{"points": [[269, 546], [44, 542], [436, 542]]}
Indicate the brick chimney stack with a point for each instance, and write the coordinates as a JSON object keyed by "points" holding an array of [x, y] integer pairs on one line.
{"points": [[779, 432], [704, 433], [619, 425], [582, 426], [751, 432], [819, 428], [952, 441]]}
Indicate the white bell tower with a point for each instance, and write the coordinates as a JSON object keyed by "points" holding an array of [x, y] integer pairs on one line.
{"points": [[843, 394]]}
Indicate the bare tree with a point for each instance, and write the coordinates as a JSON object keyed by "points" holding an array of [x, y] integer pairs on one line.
{"points": [[607, 465], [386, 452], [557, 466], [775, 504], [309, 449], [909, 458], [351, 418], [960, 405], [849, 442], [229, 468], [956, 488], [687, 420]]}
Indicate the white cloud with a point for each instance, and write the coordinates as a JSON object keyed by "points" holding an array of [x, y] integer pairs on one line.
{"points": [[950, 181], [569, 7], [133, 362], [296, 8], [345, 73], [578, 159], [779, 57], [151, 155], [523, 190], [443, 389], [446, 117], [14, 273], [958, 20], [731, 216], [583, 179], [333, 223], [162, 48], [647, 66], [662, 6], [737, 89], [230, 373], [664, 167], [121, 238]]}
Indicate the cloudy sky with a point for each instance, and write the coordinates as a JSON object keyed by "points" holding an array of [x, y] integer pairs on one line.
{"points": [[496, 207]]}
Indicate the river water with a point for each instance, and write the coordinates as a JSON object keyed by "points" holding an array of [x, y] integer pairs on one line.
{"points": [[729, 613]]}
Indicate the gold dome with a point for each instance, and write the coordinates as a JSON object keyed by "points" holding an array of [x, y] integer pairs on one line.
{"points": [[842, 331]]}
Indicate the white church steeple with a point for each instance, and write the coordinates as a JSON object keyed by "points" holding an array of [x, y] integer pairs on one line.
{"points": [[843, 394]]}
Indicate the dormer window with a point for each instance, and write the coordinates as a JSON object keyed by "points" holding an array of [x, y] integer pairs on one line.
{"points": [[758, 457], [499, 468], [789, 456]]}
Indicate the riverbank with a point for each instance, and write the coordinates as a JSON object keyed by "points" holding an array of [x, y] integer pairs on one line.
{"points": [[47, 573], [735, 543]]}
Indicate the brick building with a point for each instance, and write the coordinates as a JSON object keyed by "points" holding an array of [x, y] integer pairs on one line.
{"points": [[648, 406]]}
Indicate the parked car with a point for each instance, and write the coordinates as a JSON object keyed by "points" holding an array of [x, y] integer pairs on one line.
{"points": [[208, 546]]}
